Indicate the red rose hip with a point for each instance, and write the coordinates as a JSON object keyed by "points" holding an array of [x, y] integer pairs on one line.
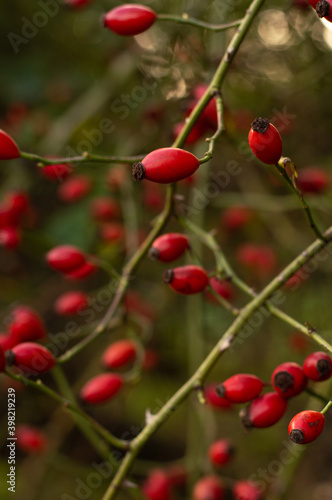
{"points": [[25, 325], [101, 388], [240, 388], [221, 452], [165, 165], [30, 439], [31, 358], [187, 279], [119, 354], [70, 303], [246, 490], [209, 488], [263, 411], [288, 380], [2, 360], [65, 258], [129, 19], [169, 247], [265, 141], [157, 486], [306, 426], [212, 398], [8, 147], [318, 366]]}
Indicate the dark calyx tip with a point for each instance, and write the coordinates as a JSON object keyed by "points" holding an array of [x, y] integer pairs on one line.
{"points": [[323, 367], [297, 436], [283, 380], [260, 125], [138, 171], [220, 391], [323, 8], [245, 419], [154, 253], [168, 276], [10, 358]]}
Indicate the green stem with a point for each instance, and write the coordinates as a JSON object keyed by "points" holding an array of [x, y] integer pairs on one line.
{"points": [[315, 395], [198, 24], [327, 407], [85, 158]]}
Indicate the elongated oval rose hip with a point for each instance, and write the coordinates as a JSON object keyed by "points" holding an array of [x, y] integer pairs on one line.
{"points": [[166, 165], [8, 148], [240, 388], [101, 388], [246, 490], [186, 279], [209, 488], [31, 358], [119, 354], [25, 325], [306, 426], [70, 303], [129, 19], [65, 258], [263, 411], [169, 247], [265, 141]]}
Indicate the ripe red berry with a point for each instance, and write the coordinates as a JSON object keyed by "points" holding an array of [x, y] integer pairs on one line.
{"points": [[56, 172], [10, 237], [74, 188], [212, 398], [259, 258], [2, 360], [195, 134], [104, 209], [31, 358], [65, 258], [240, 388], [235, 218], [288, 380], [25, 325], [17, 202], [157, 486], [165, 165], [186, 279], [246, 490], [209, 116], [318, 366], [265, 141], [112, 232], [30, 439], [263, 411], [101, 388], [8, 147], [313, 180], [71, 303], [129, 19], [119, 354], [306, 426], [6, 341], [209, 488], [222, 288], [81, 272], [221, 452], [169, 247], [323, 9], [76, 4]]}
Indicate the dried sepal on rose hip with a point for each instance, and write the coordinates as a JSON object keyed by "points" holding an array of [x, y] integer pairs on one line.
{"points": [[324, 10], [32, 358], [240, 388], [129, 19], [186, 279], [288, 380], [169, 247], [101, 388], [318, 366], [306, 426], [9, 150], [165, 165], [263, 411], [265, 141]]}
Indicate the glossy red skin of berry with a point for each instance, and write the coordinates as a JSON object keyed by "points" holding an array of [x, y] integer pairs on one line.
{"points": [[112, 232], [313, 180], [246, 490], [241, 388], [101, 388], [187, 279], [222, 288], [57, 172], [30, 439], [260, 258], [309, 423], [169, 247], [25, 325], [17, 202], [32, 358], [81, 272], [267, 146], [298, 383], [221, 452], [74, 188], [235, 218], [2, 360], [129, 19], [157, 486], [264, 411], [318, 366], [70, 303], [6, 341], [65, 258], [104, 209], [119, 354], [8, 148], [167, 165], [209, 488], [10, 237], [212, 398], [7, 218]]}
